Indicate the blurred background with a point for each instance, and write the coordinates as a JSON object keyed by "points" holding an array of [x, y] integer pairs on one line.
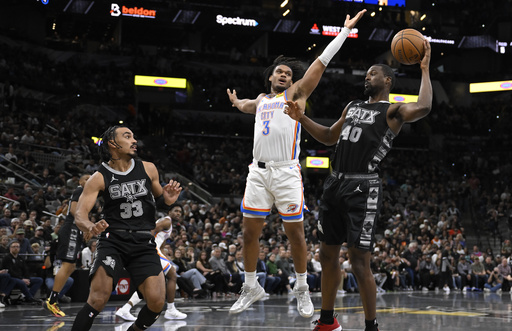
{"points": [[68, 67]]}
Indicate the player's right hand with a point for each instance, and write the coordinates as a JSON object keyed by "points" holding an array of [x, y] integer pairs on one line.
{"points": [[232, 97], [98, 228]]}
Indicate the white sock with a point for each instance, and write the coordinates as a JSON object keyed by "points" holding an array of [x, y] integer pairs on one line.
{"points": [[170, 306], [302, 279], [250, 278]]}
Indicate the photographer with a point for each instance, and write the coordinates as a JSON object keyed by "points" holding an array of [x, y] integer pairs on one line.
{"points": [[494, 282]]}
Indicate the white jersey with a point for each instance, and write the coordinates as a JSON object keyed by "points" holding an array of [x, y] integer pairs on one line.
{"points": [[276, 135], [160, 238], [163, 235]]}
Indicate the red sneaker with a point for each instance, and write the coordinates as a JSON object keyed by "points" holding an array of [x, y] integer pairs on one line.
{"points": [[327, 327]]}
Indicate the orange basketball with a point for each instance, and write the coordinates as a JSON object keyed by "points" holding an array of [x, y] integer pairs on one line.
{"points": [[407, 46]]}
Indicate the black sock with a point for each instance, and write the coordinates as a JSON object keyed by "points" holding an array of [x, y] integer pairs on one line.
{"points": [[371, 325], [53, 297], [84, 318], [146, 318], [327, 316]]}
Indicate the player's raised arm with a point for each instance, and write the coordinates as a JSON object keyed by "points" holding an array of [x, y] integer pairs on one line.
{"points": [[413, 111], [324, 134], [244, 105], [303, 88]]}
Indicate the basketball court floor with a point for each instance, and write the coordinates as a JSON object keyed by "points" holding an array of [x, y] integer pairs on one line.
{"points": [[399, 311]]}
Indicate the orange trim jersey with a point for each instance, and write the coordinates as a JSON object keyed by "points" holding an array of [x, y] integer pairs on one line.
{"points": [[160, 238], [276, 135]]}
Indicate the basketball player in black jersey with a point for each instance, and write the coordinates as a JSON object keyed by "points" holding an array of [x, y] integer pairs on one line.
{"points": [[129, 188], [353, 192], [69, 245]]}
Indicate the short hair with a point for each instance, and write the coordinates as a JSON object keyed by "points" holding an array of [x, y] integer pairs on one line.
{"points": [[176, 205], [291, 62], [388, 72], [108, 135]]}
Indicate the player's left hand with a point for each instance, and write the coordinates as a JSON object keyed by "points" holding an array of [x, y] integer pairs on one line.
{"points": [[351, 23], [172, 192], [425, 61]]}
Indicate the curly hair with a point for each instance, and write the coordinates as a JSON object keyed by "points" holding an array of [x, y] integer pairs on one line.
{"points": [[108, 136], [291, 62]]}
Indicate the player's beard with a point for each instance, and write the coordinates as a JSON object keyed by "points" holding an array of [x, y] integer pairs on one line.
{"points": [[368, 91]]}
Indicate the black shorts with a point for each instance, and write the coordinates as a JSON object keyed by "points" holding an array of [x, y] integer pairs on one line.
{"points": [[134, 251], [349, 209], [70, 243]]}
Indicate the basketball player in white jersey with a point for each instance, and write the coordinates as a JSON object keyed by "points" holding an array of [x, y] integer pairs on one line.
{"points": [[163, 229], [274, 176]]}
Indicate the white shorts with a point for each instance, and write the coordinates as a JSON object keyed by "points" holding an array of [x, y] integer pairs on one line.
{"points": [[277, 183], [166, 265]]}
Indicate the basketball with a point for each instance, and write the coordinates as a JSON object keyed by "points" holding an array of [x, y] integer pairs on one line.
{"points": [[407, 46]]}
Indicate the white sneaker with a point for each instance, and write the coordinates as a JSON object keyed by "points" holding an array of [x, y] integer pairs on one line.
{"points": [[424, 289], [342, 292], [304, 304], [126, 315], [247, 297], [2, 305], [499, 291], [123, 327], [446, 290], [174, 325], [174, 314]]}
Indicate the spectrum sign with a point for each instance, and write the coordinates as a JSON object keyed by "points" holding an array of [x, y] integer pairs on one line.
{"points": [[139, 12], [223, 20], [332, 30], [317, 162], [154, 81], [505, 85]]}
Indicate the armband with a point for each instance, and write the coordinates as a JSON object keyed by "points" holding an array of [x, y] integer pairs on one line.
{"points": [[160, 203], [334, 46]]}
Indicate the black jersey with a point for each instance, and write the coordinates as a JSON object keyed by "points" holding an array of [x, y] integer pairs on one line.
{"points": [[365, 138], [128, 199], [74, 197]]}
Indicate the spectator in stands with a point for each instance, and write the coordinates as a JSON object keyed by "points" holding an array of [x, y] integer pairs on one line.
{"points": [[213, 276], [234, 281], [478, 275], [505, 272], [6, 286], [4, 243], [464, 272], [88, 253], [261, 267], [25, 247], [19, 272], [427, 273], [192, 274], [6, 218]]}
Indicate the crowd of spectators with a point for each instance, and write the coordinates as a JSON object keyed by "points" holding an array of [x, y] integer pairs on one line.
{"points": [[432, 199]]}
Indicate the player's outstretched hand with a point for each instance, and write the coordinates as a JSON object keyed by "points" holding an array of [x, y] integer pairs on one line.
{"points": [[232, 97], [171, 192], [293, 110], [351, 23]]}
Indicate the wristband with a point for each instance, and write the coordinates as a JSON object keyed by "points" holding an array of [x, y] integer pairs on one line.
{"points": [[160, 203], [334, 46]]}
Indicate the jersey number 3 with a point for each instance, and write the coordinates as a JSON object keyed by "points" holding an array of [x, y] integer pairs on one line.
{"points": [[131, 209], [351, 133]]}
